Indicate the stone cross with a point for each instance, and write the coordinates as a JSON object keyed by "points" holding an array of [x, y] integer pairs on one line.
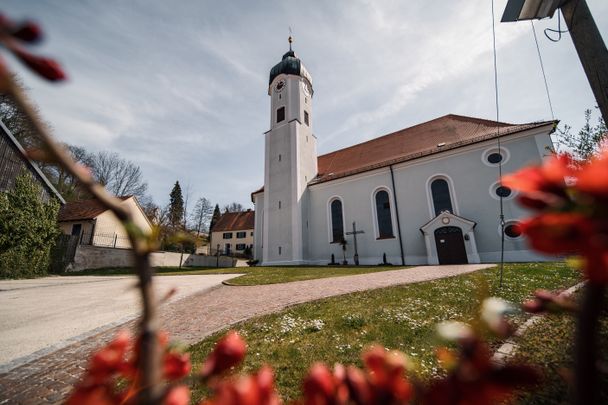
{"points": [[354, 233]]}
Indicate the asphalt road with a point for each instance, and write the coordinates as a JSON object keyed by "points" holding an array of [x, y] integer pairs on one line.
{"points": [[42, 315]]}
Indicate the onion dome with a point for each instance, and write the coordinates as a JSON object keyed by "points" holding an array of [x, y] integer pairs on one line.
{"points": [[290, 65]]}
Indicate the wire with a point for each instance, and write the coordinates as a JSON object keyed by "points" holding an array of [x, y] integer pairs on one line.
{"points": [[542, 68], [558, 31], [500, 198]]}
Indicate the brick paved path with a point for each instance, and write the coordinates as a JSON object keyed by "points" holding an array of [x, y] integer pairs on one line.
{"points": [[50, 378]]}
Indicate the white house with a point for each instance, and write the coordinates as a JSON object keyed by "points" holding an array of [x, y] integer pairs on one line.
{"points": [[96, 225], [426, 194]]}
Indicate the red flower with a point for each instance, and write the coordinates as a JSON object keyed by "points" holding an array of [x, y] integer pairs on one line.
{"points": [[549, 178], [559, 233], [179, 395], [593, 177], [95, 395], [319, 386], [45, 67], [228, 352], [386, 375], [176, 365], [257, 389], [111, 359], [358, 386], [105, 365], [28, 32]]}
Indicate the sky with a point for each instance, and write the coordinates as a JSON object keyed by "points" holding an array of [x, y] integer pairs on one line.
{"points": [[180, 87]]}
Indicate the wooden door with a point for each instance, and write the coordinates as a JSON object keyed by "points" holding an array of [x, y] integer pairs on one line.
{"points": [[450, 245]]}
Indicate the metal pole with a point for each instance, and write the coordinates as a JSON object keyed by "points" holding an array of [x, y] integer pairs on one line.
{"points": [[590, 48], [397, 215]]}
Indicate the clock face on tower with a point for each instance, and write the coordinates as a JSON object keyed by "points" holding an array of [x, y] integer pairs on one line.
{"points": [[279, 86], [306, 88]]}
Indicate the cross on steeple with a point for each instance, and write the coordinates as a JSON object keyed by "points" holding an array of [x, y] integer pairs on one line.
{"points": [[290, 39]]}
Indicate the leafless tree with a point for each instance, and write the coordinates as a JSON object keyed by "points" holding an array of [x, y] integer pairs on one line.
{"points": [[201, 215], [16, 120], [118, 175], [234, 207], [67, 185]]}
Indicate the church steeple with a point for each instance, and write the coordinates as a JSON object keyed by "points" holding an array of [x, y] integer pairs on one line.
{"points": [[290, 161]]}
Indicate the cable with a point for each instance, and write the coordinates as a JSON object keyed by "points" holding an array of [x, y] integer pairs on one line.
{"points": [[542, 68], [500, 197], [558, 31]]}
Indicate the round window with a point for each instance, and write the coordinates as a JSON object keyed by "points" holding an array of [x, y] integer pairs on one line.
{"points": [[494, 158], [513, 230], [503, 191]]}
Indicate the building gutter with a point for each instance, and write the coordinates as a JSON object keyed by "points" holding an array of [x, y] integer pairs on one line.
{"points": [[397, 215]]}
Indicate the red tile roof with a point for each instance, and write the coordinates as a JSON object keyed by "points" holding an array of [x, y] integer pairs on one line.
{"points": [[83, 209], [450, 131], [235, 221]]}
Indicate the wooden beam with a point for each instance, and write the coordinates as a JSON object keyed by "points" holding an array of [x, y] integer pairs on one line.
{"points": [[590, 48]]}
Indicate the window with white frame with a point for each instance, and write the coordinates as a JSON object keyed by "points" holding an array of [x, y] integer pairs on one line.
{"points": [[241, 235], [337, 221], [383, 215], [440, 193], [240, 246], [227, 235]]}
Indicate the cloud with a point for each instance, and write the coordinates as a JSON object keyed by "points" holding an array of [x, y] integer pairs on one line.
{"points": [[180, 89]]}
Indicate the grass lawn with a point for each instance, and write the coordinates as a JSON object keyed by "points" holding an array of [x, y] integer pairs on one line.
{"points": [[251, 275], [337, 329], [555, 335]]}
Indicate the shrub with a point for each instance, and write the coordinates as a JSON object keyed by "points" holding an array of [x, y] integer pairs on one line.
{"points": [[28, 228]]}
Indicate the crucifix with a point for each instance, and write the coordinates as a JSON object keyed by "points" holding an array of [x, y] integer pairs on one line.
{"points": [[354, 233]]}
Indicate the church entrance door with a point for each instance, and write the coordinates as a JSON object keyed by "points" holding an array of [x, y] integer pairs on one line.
{"points": [[450, 245]]}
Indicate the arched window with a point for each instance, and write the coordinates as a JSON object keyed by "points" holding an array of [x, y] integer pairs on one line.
{"points": [[383, 214], [337, 221], [440, 191]]}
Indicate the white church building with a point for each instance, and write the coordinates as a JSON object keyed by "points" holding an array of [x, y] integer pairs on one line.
{"points": [[428, 194]]}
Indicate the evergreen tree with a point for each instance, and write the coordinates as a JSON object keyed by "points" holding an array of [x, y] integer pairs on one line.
{"points": [[28, 228], [216, 216], [176, 206]]}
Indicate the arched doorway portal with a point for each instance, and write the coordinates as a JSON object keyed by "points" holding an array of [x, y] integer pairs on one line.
{"points": [[450, 245]]}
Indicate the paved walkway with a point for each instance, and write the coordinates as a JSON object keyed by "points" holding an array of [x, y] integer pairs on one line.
{"points": [[42, 315], [50, 378]]}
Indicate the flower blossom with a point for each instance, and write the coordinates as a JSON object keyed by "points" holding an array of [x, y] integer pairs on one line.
{"points": [[571, 204]]}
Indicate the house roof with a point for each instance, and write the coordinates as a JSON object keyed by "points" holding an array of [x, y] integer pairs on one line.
{"points": [[431, 137], [235, 221], [36, 170], [83, 209]]}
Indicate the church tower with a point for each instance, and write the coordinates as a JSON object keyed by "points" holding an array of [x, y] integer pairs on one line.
{"points": [[290, 162]]}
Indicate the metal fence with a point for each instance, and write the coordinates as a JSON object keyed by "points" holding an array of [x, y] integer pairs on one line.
{"points": [[230, 253], [112, 240], [63, 253]]}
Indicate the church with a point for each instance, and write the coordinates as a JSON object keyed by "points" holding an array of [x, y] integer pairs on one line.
{"points": [[428, 194]]}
